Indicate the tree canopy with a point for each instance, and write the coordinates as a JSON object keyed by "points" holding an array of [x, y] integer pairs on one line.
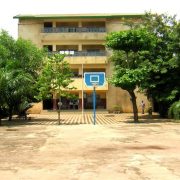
{"points": [[132, 40], [128, 47], [20, 63], [148, 57], [55, 78], [162, 82]]}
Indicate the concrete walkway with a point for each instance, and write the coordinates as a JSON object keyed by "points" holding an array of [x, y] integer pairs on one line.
{"points": [[76, 118]]}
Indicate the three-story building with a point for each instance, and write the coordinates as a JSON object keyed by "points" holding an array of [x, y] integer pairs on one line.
{"points": [[82, 39]]}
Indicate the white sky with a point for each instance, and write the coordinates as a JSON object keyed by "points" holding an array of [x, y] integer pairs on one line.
{"points": [[10, 8]]}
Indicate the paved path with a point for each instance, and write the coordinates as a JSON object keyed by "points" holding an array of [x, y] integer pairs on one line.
{"points": [[75, 119], [69, 118]]}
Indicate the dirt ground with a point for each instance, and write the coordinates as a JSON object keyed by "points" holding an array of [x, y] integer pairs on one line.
{"points": [[122, 151]]}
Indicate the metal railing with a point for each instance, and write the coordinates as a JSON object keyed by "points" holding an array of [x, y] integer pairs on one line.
{"points": [[82, 53], [73, 29]]}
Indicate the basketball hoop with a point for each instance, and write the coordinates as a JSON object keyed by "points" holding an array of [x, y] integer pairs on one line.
{"points": [[94, 80]]}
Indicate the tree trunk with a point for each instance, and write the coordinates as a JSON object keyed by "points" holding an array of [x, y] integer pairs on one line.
{"points": [[59, 111], [59, 117], [10, 117], [135, 110]]}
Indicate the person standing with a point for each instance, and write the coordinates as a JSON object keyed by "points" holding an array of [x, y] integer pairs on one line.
{"points": [[142, 106]]}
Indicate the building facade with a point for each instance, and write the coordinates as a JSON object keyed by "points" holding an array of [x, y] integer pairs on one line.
{"points": [[82, 39]]}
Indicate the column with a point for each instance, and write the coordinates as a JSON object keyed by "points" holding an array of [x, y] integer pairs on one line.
{"points": [[80, 100], [54, 24], [79, 24], [54, 101], [54, 48], [79, 47], [80, 71]]}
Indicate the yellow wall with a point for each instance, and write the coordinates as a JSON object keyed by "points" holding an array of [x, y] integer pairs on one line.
{"points": [[36, 108], [32, 30], [78, 84], [72, 36], [86, 60]]}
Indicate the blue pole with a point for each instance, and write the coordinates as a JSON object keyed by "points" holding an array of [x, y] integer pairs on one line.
{"points": [[94, 104]]}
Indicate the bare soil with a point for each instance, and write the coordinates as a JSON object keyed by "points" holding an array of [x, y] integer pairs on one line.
{"points": [[127, 151]]}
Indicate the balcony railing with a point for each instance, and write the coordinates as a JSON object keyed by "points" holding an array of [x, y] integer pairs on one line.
{"points": [[81, 53], [73, 29]]}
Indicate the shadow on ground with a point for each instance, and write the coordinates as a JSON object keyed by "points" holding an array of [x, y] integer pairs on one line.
{"points": [[150, 119], [143, 119], [35, 121]]}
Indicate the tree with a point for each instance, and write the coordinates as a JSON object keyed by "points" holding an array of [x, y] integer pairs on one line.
{"points": [[55, 77], [20, 62], [174, 110], [158, 62], [17, 87], [128, 48], [162, 82]]}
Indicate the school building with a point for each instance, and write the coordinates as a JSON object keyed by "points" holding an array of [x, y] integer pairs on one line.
{"points": [[82, 38]]}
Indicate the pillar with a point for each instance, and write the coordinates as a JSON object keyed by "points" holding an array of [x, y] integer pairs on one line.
{"points": [[54, 101], [79, 47], [54, 48], [79, 24], [54, 24], [80, 103], [80, 100]]}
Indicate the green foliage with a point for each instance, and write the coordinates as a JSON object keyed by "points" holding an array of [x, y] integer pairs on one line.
{"points": [[29, 57], [174, 110], [127, 79], [131, 40], [24, 106], [162, 82], [54, 78], [129, 48], [20, 62], [117, 108], [149, 58]]}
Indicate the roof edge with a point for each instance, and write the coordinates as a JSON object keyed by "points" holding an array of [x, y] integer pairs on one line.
{"points": [[74, 16]]}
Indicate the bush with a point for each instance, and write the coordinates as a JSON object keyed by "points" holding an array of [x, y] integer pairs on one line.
{"points": [[117, 108], [174, 110]]}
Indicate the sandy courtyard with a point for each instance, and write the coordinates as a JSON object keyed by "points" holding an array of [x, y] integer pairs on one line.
{"points": [[122, 151]]}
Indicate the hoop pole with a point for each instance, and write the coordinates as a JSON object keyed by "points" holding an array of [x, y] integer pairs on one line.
{"points": [[82, 92], [94, 104]]}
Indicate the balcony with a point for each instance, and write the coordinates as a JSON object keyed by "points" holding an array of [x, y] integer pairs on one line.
{"points": [[85, 57], [78, 84], [50, 34], [73, 29], [84, 53]]}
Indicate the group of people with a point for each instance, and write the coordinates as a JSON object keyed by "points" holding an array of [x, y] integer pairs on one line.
{"points": [[73, 104]]}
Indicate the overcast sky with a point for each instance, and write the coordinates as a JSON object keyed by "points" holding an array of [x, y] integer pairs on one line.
{"points": [[10, 8]]}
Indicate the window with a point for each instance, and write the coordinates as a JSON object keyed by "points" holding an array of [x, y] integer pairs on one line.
{"points": [[48, 47], [47, 24]]}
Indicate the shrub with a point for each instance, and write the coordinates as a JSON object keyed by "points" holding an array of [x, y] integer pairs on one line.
{"points": [[117, 108], [174, 110]]}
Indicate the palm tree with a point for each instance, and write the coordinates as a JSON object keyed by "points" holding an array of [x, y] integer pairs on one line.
{"points": [[16, 87]]}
